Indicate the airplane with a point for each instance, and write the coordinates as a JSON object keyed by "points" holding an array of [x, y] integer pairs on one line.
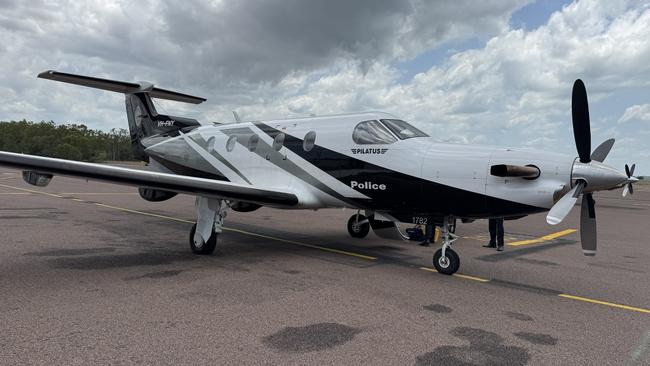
{"points": [[386, 169]]}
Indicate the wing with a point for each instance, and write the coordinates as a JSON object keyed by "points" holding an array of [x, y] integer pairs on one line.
{"points": [[148, 179]]}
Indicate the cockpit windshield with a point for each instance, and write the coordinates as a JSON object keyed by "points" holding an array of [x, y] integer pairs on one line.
{"points": [[372, 132], [402, 129]]}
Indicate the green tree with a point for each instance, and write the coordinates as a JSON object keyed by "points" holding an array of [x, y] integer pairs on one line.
{"points": [[69, 141]]}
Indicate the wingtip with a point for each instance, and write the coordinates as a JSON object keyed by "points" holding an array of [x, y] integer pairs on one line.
{"points": [[46, 74]]}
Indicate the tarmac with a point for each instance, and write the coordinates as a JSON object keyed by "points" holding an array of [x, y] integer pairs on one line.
{"points": [[92, 274]]}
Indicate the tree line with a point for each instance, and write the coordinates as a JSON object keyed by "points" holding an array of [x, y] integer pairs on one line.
{"points": [[65, 141]]}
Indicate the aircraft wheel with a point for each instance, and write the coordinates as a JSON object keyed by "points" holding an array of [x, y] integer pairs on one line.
{"points": [[448, 264], [205, 249], [358, 230]]}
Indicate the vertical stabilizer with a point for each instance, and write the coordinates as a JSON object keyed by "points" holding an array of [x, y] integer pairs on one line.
{"points": [[143, 119]]}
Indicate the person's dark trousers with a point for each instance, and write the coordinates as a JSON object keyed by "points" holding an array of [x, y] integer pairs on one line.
{"points": [[496, 232]]}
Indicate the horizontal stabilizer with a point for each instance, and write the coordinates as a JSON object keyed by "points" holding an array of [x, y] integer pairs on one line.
{"points": [[120, 86]]}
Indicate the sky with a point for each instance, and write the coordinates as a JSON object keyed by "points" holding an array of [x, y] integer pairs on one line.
{"points": [[495, 72]]}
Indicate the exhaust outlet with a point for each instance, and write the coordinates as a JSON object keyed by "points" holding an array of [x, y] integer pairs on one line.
{"points": [[503, 170]]}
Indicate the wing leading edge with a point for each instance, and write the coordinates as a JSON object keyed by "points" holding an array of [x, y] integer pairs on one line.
{"points": [[141, 178]]}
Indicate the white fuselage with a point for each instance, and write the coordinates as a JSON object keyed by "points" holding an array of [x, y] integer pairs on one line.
{"points": [[407, 174]]}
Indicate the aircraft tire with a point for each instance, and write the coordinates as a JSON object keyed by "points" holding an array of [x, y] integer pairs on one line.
{"points": [[358, 231], [449, 265], [207, 248]]}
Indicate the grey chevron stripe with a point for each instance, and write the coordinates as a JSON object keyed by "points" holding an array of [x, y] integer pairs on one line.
{"points": [[267, 152], [204, 144]]}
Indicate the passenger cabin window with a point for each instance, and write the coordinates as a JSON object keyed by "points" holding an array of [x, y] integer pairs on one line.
{"points": [[310, 141], [402, 129], [372, 132], [230, 144], [252, 142], [278, 141]]}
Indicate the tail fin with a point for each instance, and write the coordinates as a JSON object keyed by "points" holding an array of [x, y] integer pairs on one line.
{"points": [[144, 120]]}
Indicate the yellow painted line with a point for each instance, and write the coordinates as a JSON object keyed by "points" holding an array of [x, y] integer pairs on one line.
{"points": [[337, 251], [96, 193], [467, 277], [473, 278], [545, 238], [363, 256], [31, 191], [144, 213], [331, 250], [610, 304]]}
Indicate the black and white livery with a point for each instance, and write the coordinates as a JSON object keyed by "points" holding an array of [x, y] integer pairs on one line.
{"points": [[375, 163]]}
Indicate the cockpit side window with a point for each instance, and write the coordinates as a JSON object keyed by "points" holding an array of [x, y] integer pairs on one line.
{"points": [[402, 129], [372, 132]]}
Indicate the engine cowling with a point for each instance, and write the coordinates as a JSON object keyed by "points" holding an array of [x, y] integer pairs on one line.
{"points": [[155, 195]]}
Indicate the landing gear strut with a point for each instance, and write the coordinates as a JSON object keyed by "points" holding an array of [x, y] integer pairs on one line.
{"points": [[445, 260], [358, 226], [210, 214]]}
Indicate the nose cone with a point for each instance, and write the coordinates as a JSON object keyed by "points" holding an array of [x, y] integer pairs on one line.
{"points": [[632, 179], [599, 176]]}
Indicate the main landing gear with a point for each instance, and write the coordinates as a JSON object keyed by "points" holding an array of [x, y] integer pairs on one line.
{"points": [[445, 260], [210, 214], [358, 226]]}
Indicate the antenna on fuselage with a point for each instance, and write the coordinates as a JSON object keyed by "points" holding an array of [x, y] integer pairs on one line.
{"points": [[237, 119]]}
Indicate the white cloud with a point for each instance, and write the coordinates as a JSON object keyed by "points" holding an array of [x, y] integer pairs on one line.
{"points": [[520, 81], [636, 113], [273, 60]]}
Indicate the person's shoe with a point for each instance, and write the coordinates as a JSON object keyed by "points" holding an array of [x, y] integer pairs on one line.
{"points": [[490, 245], [424, 244], [500, 248]]}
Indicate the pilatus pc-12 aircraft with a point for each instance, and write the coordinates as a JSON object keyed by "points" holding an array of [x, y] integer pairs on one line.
{"points": [[372, 162]]}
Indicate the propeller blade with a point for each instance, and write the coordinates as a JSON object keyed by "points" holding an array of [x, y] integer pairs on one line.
{"points": [[562, 207], [627, 171], [602, 151], [588, 235], [580, 114], [631, 188], [632, 170], [626, 189]]}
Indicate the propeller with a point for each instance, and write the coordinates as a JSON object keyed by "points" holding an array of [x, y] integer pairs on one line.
{"points": [[601, 152], [630, 179], [581, 127], [588, 234], [562, 207], [589, 173]]}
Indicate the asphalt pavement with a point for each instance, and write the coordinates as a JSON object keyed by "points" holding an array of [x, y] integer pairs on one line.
{"points": [[92, 274]]}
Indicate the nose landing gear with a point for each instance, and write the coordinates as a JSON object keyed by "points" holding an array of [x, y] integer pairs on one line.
{"points": [[445, 259]]}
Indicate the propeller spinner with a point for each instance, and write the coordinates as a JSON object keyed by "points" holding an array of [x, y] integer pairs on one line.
{"points": [[589, 174]]}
